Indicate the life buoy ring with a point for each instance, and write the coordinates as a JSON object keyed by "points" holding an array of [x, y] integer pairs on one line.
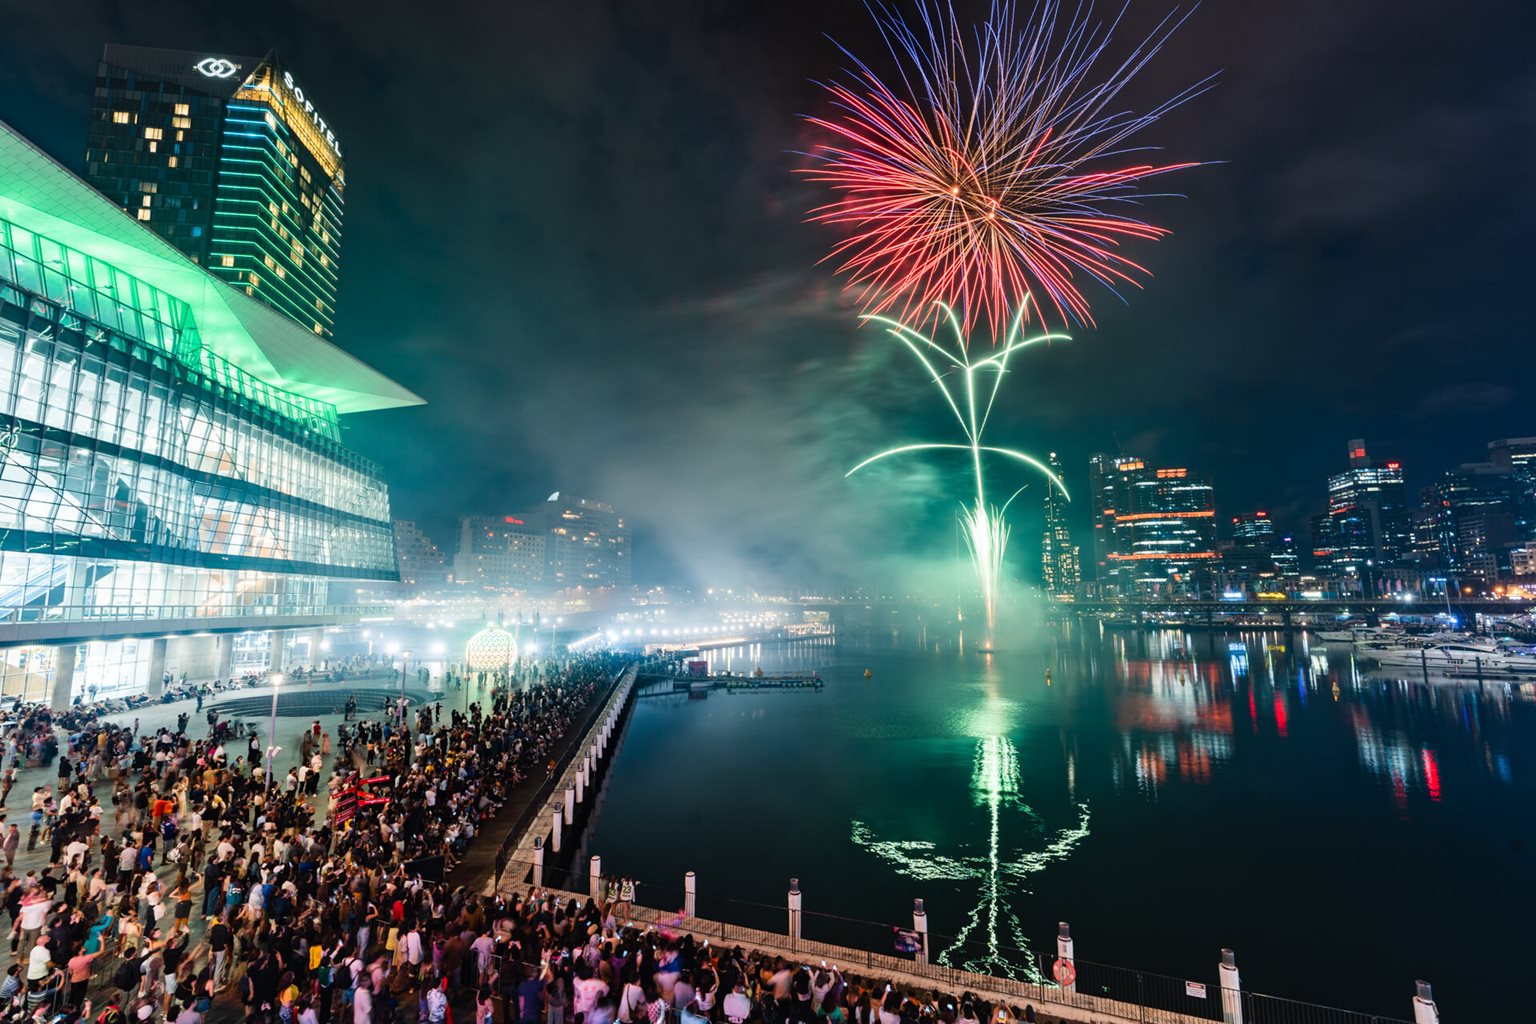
{"points": [[1064, 972]]}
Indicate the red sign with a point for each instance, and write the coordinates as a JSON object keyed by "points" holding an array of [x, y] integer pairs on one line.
{"points": [[515, 521]]}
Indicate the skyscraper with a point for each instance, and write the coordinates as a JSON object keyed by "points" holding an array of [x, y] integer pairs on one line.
{"points": [[1368, 522], [1483, 511], [229, 160], [1158, 524], [1059, 570]]}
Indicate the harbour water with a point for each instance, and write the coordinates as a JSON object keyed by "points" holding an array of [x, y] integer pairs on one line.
{"points": [[1168, 794]]}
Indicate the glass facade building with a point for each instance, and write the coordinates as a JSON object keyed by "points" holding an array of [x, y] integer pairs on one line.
{"points": [[170, 455], [1059, 570], [1159, 528], [228, 160]]}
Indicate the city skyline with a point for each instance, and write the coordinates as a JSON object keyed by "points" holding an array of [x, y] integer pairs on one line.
{"points": [[1309, 322]]}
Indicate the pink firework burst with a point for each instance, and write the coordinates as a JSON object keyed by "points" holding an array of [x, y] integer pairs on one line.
{"points": [[1001, 173]]}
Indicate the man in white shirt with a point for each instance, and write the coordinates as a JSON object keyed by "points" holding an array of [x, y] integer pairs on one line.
{"points": [[37, 962], [737, 1006]]}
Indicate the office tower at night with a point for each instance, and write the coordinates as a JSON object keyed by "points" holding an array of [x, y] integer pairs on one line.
{"points": [[1255, 550], [1159, 524], [1368, 523], [228, 159], [499, 553], [175, 495], [1483, 511], [1059, 570]]}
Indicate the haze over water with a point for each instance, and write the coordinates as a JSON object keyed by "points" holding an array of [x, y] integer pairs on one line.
{"points": [[1168, 794]]}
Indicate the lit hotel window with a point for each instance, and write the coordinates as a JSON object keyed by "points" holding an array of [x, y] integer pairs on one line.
{"points": [[226, 261], [181, 122], [154, 133], [143, 214], [120, 117], [183, 109], [173, 161]]}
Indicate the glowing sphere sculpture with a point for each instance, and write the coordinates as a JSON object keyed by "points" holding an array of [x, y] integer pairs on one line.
{"points": [[489, 649]]}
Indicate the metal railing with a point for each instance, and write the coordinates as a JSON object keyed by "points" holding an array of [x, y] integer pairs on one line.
{"points": [[1004, 972]]}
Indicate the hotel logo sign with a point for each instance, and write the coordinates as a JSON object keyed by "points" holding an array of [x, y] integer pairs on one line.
{"points": [[309, 111], [216, 67]]}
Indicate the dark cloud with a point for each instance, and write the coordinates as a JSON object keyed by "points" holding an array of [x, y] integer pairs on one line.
{"points": [[575, 229], [1458, 398]]}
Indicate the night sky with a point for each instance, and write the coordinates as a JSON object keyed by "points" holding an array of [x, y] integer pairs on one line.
{"points": [[574, 228]]}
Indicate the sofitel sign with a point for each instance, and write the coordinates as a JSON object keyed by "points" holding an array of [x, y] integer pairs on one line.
{"points": [[309, 109]]}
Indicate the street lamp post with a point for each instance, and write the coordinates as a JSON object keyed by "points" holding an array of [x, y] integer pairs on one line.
{"points": [[405, 661], [277, 681]]}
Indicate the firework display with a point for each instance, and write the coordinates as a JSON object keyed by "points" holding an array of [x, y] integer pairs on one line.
{"points": [[982, 192], [980, 379], [1001, 169]]}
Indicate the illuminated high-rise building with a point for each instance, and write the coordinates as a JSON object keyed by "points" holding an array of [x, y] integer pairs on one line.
{"points": [[499, 553], [586, 543], [1060, 573], [1368, 522], [1159, 528], [229, 160]]}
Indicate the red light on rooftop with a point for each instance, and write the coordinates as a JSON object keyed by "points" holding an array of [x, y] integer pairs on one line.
{"points": [[1261, 515], [515, 521], [1394, 465]]}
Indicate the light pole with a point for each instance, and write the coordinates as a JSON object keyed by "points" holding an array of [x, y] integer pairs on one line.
{"points": [[405, 661], [277, 681]]}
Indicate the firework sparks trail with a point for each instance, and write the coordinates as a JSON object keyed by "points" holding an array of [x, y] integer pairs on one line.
{"points": [[999, 170], [985, 529]]}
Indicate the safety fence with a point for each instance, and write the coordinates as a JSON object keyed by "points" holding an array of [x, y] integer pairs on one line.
{"points": [[535, 810], [955, 964]]}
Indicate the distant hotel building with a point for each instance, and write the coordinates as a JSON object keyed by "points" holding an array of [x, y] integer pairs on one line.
{"points": [[229, 160], [566, 542], [421, 563], [174, 492], [1154, 529], [1060, 573], [499, 553]]}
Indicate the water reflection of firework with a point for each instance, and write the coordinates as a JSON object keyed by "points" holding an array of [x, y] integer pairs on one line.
{"points": [[992, 925]]}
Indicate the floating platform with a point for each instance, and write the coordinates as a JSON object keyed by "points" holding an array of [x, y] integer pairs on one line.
{"points": [[700, 685]]}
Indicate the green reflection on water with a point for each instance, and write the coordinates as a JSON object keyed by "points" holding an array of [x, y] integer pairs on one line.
{"points": [[994, 785]]}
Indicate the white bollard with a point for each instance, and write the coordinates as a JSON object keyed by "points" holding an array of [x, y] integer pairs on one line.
{"points": [[1424, 1009], [794, 909], [1064, 951], [538, 861], [570, 803], [920, 925], [1231, 989], [595, 878], [690, 894], [581, 786], [554, 843]]}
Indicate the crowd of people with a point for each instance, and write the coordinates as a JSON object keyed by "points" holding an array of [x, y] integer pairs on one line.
{"points": [[211, 890], [209, 878]]}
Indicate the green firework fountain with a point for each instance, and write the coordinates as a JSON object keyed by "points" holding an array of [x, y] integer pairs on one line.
{"points": [[971, 402]]}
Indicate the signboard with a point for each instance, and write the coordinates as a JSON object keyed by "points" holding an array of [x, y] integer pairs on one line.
{"points": [[1195, 989], [345, 808], [698, 669], [908, 941]]}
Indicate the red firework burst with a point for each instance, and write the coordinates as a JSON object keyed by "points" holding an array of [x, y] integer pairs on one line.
{"points": [[990, 180]]}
